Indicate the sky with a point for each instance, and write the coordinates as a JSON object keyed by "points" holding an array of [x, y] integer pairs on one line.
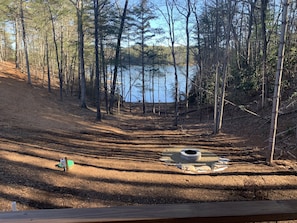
{"points": [[179, 19], [160, 22]]}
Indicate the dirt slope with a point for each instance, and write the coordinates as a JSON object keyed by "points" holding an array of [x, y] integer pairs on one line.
{"points": [[117, 160]]}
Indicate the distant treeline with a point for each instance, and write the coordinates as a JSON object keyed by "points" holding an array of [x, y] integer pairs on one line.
{"points": [[157, 55]]}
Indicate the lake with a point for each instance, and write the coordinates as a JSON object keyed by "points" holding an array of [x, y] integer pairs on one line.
{"points": [[157, 89]]}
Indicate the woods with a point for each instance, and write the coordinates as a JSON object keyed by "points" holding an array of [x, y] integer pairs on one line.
{"points": [[233, 46]]}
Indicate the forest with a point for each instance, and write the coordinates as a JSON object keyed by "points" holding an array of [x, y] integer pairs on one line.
{"points": [[242, 50]]}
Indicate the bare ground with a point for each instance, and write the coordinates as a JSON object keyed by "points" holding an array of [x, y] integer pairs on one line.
{"points": [[117, 160]]}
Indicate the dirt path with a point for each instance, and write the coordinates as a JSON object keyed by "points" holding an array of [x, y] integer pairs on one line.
{"points": [[117, 160]]}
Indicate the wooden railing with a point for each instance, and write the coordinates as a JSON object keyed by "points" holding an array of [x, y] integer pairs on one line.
{"points": [[241, 211]]}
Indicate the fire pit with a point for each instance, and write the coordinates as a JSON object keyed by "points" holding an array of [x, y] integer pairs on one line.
{"points": [[192, 155]]}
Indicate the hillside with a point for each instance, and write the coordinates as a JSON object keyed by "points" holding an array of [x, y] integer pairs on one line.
{"points": [[117, 161]]}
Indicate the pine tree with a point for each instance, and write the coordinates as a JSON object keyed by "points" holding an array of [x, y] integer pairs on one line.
{"points": [[143, 15]]}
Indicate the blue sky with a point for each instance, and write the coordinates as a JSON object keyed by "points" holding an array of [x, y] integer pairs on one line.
{"points": [[161, 23]]}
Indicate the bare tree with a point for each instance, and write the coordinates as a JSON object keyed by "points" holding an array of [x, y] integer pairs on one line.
{"points": [[230, 15], [82, 78], [79, 10], [47, 64], [186, 12], [264, 4], [250, 25], [17, 42], [169, 18], [277, 85], [25, 42], [215, 111], [117, 58], [59, 63], [97, 85], [102, 55], [198, 58]]}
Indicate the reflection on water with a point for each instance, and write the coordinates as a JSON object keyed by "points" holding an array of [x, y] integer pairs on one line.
{"points": [[159, 83]]}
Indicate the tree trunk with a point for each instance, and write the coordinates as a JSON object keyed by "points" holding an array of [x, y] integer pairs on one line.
{"points": [[79, 11], [17, 59], [187, 16], [277, 85], [117, 57], [57, 51], [171, 23], [103, 69], [25, 42], [250, 25], [142, 71], [61, 70], [130, 75], [97, 84], [153, 80], [226, 65], [187, 53], [264, 49], [198, 79], [215, 112], [47, 64], [215, 107]]}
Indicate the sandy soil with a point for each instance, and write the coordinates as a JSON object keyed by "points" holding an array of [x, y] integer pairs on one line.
{"points": [[117, 160]]}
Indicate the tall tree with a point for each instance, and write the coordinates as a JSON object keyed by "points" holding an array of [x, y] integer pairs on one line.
{"points": [[17, 42], [25, 42], [47, 64], [59, 61], [170, 20], [103, 30], [264, 4], [79, 8], [97, 70], [231, 9], [143, 16], [81, 70], [277, 85], [198, 92], [186, 12], [216, 89], [117, 56], [252, 6]]}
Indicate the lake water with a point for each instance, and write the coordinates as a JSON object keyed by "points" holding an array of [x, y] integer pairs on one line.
{"points": [[159, 89]]}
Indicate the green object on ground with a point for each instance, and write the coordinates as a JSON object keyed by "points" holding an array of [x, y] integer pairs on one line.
{"points": [[70, 164]]}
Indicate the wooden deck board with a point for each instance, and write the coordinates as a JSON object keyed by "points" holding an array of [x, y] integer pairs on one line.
{"points": [[240, 211]]}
